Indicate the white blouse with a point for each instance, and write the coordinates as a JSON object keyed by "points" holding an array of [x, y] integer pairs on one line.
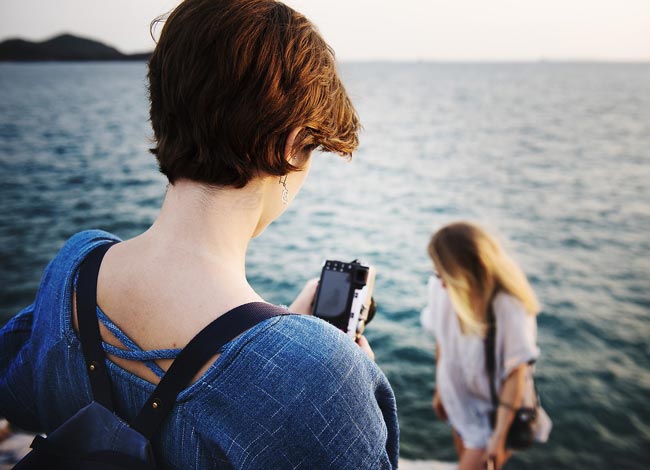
{"points": [[461, 376]]}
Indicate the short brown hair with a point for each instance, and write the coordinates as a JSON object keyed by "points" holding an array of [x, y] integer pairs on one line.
{"points": [[230, 79]]}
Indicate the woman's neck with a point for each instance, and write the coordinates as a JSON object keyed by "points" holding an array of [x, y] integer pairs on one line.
{"points": [[213, 226]]}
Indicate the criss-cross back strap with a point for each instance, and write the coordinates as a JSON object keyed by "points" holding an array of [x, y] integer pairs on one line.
{"points": [[186, 365]]}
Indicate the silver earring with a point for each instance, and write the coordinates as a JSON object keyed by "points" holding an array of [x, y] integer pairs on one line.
{"points": [[285, 190]]}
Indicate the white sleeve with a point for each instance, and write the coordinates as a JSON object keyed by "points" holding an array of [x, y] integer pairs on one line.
{"points": [[516, 334], [428, 314]]}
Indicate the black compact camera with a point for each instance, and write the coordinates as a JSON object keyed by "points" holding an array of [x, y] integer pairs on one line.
{"points": [[344, 296]]}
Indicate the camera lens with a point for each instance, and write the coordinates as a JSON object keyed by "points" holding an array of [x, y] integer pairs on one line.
{"points": [[361, 276]]}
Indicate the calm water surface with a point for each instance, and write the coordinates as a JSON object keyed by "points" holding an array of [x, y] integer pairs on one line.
{"points": [[554, 158]]}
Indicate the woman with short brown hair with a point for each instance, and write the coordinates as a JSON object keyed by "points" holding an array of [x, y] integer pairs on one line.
{"points": [[241, 93]]}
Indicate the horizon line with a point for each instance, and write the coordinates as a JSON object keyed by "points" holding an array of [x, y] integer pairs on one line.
{"points": [[409, 60]]}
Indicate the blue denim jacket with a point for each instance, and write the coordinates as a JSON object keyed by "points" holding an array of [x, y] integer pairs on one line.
{"points": [[292, 392]]}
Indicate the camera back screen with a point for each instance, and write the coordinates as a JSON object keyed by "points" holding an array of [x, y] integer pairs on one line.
{"points": [[333, 295]]}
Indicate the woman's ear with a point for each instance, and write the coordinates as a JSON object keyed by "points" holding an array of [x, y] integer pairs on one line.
{"points": [[288, 145]]}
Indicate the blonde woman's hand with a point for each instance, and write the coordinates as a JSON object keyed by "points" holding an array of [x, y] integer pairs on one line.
{"points": [[496, 450], [438, 407], [305, 300]]}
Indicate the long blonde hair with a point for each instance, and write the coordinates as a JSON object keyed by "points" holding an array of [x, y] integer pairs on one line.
{"points": [[475, 267]]}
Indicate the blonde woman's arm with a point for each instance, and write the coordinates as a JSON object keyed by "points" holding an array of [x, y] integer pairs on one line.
{"points": [[438, 407], [511, 397]]}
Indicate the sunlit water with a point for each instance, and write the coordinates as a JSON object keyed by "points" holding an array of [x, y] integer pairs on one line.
{"points": [[554, 158]]}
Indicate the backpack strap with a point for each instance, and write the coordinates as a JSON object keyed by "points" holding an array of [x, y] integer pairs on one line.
{"points": [[91, 340], [194, 356]]}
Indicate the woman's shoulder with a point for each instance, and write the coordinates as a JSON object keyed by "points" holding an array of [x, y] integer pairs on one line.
{"points": [[59, 274], [313, 341], [319, 385], [73, 252], [293, 347], [83, 242], [511, 314], [293, 387], [506, 304], [305, 350]]}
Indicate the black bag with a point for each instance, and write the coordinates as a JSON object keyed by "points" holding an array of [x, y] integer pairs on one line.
{"points": [[95, 437], [522, 430]]}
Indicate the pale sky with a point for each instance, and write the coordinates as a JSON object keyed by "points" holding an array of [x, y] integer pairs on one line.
{"points": [[445, 30]]}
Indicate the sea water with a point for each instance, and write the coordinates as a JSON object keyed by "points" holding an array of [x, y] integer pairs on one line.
{"points": [[554, 158]]}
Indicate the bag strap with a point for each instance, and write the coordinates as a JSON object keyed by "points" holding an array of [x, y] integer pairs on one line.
{"points": [[186, 365], [490, 356], [194, 356], [91, 340]]}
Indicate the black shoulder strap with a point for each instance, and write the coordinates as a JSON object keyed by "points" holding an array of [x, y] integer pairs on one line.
{"points": [[490, 357], [91, 341], [194, 356]]}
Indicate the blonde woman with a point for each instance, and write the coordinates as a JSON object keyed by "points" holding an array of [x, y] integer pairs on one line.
{"points": [[472, 273]]}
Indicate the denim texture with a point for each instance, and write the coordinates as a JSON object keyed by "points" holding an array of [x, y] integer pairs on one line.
{"points": [[293, 392]]}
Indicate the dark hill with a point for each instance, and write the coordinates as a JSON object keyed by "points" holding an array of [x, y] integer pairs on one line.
{"points": [[65, 47]]}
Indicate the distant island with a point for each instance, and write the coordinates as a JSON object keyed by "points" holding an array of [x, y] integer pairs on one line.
{"points": [[65, 47]]}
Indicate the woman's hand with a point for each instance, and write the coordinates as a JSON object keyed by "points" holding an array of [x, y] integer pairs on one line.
{"points": [[365, 347], [305, 300], [496, 450], [438, 407]]}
